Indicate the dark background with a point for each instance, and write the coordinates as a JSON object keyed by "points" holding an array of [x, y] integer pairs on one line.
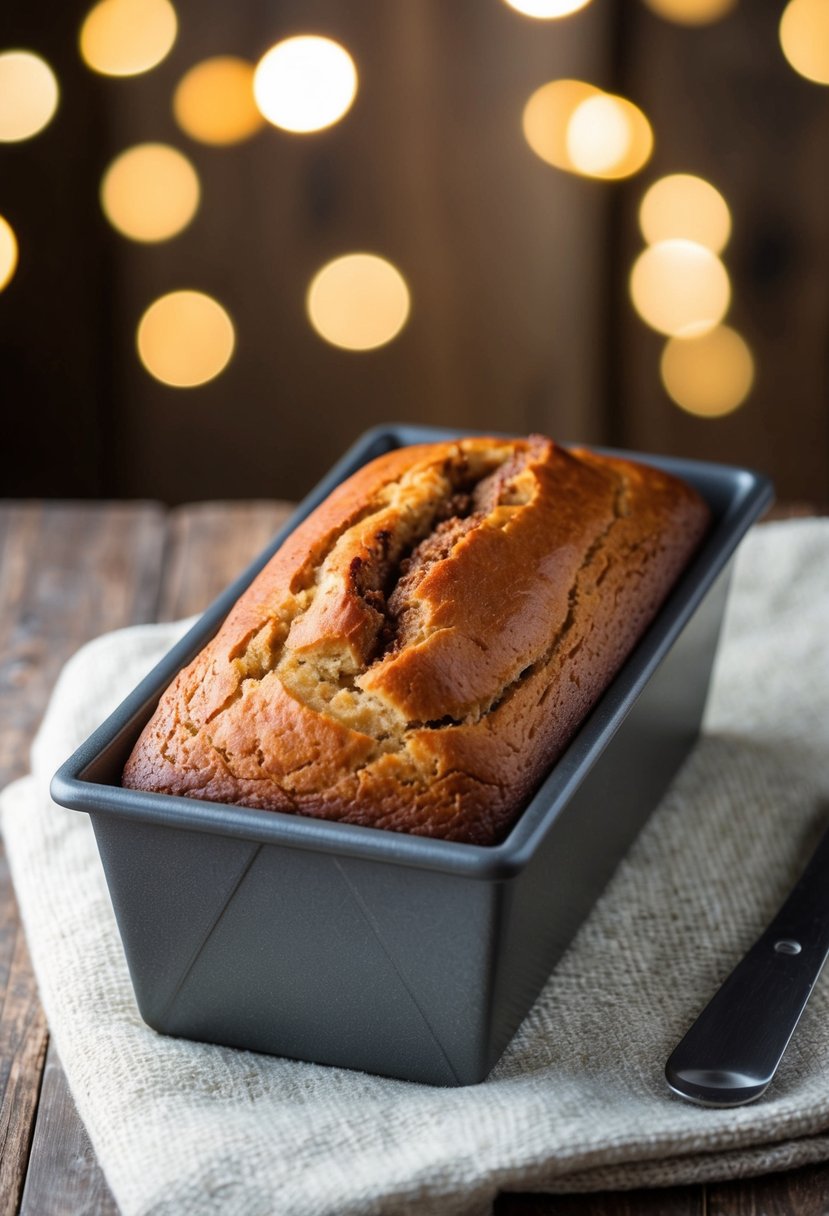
{"points": [[520, 316]]}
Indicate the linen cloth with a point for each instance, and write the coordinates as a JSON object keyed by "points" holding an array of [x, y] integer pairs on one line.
{"points": [[578, 1101]]}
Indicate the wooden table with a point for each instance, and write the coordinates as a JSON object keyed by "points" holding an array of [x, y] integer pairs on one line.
{"points": [[69, 571]]}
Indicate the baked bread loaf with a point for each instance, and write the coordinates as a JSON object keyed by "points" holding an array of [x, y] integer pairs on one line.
{"points": [[422, 648]]}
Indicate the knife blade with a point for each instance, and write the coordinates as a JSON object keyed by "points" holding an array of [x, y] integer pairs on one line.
{"points": [[732, 1051]]}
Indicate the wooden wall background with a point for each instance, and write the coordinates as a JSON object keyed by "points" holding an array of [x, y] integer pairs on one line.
{"points": [[520, 316], [725, 104]]}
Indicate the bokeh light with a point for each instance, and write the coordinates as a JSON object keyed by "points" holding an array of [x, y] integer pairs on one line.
{"points": [[680, 288], [8, 252], [28, 95], [640, 145], [126, 37], [710, 375], [598, 135], [691, 12], [687, 207], [150, 192], [609, 137], [185, 339], [359, 301], [547, 115], [214, 101], [305, 83], [546, 10], [804, 37], [575, 126]]}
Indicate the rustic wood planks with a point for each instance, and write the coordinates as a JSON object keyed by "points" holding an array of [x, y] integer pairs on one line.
{"points": [[68, 572], [64, 1178], [208, 544]]}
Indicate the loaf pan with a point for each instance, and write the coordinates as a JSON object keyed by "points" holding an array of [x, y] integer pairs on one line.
{"points": [[375, 950]]}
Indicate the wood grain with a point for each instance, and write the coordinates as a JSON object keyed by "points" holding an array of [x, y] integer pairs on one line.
{"points": [[58, 407], [726, 105], [430, 169], [803, 1192], [685, 1201], [22, 1047], [67, 573], [64, 1177], [208, 544]]}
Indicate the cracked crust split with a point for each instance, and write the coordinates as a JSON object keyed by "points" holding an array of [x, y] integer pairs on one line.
{"points": [[422, 648]]}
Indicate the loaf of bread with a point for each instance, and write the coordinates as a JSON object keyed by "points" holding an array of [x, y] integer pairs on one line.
{"points": [[422, 648]]}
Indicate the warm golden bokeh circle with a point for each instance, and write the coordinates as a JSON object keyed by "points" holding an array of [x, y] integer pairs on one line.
{"points": [[150, 192], [8, 252], [680, 288], [214, 101], [682, 206], [804, 37], [574, 126], [28, 95], [185, 338], [127, 37], [691, 12], [358, 302], [547, 10], [305, 84], [608, 137], [547, 115], [710, 375], [598, 135]]}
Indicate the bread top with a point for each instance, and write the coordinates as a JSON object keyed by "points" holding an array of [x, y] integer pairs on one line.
{"points": [[378, 669]]}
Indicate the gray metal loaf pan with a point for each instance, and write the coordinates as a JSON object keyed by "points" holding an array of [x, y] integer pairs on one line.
{"points": [[396, 954]]}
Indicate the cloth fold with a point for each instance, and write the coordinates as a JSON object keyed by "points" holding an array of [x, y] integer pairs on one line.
{"points": [[578, 1101]]}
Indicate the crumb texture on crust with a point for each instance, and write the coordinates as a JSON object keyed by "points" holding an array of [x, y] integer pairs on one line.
{"points": [[424, 645]]}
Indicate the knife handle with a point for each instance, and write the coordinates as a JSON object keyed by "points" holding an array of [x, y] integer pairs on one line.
{"points": [[732, 1051]]}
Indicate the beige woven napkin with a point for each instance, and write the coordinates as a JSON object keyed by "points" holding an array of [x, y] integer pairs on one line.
{"points": [[578, 1101]]}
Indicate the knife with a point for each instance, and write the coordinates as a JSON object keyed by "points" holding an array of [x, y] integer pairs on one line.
{"points": [[731, 1053]]}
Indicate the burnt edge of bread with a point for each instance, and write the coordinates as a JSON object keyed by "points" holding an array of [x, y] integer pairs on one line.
{"points": [[303, 701]]}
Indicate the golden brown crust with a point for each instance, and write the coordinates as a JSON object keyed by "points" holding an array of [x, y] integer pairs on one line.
{"points": [[423, 646]]}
